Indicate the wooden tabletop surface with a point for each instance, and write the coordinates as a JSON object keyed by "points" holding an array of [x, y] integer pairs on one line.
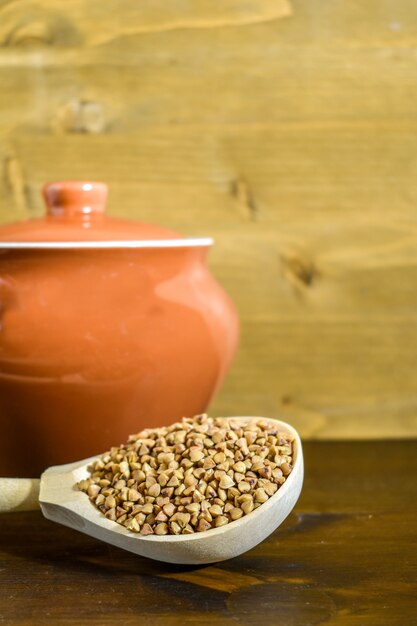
{"points": [[346, 556]]}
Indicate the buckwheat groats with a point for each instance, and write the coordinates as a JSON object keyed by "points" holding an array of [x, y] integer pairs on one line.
{"points": [[194, 475]]}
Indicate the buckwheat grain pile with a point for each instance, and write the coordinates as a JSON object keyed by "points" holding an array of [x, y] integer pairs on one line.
{"points": [[197, 474]]}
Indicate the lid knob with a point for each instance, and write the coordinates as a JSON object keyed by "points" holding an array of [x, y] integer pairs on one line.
{"points": [[75, 198]]}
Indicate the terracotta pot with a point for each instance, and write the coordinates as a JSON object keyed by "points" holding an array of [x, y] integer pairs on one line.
{"points": [[107, 326]]}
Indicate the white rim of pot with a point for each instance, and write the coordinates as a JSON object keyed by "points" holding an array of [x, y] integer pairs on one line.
{"points": [[107, 245]]}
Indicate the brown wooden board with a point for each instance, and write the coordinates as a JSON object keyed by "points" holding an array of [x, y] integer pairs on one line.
{"points": [[287, 130], [345, 557]]}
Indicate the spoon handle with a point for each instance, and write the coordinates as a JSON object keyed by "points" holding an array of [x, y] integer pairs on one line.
{"points": [[19, 494]]}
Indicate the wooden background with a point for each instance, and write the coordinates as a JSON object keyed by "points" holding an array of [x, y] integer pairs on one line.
{"points": [[286, 129]]}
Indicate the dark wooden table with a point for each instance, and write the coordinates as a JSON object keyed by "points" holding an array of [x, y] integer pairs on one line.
{"points": [[347, 555]]}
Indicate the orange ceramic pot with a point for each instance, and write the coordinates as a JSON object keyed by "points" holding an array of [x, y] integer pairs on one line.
{"points": [[107, 326]]}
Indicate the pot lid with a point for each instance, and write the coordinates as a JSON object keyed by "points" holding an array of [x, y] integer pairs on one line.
{"points": [[75, 217]]}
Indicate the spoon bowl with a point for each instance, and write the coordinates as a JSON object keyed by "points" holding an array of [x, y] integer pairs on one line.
{"points": [[62, 502]]}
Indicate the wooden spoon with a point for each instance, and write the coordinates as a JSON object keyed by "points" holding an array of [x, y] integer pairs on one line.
{"points": [[60, 501]]}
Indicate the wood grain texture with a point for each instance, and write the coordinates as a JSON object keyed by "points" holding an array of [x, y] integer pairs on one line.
{"points": [[345, 557], [286, 130], [93, 23]]}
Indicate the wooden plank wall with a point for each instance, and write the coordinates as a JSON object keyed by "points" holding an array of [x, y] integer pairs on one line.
{"points": [[284, 128]]}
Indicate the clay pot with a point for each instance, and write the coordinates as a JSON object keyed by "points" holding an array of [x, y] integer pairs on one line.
{"points": [[107, 326]]}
